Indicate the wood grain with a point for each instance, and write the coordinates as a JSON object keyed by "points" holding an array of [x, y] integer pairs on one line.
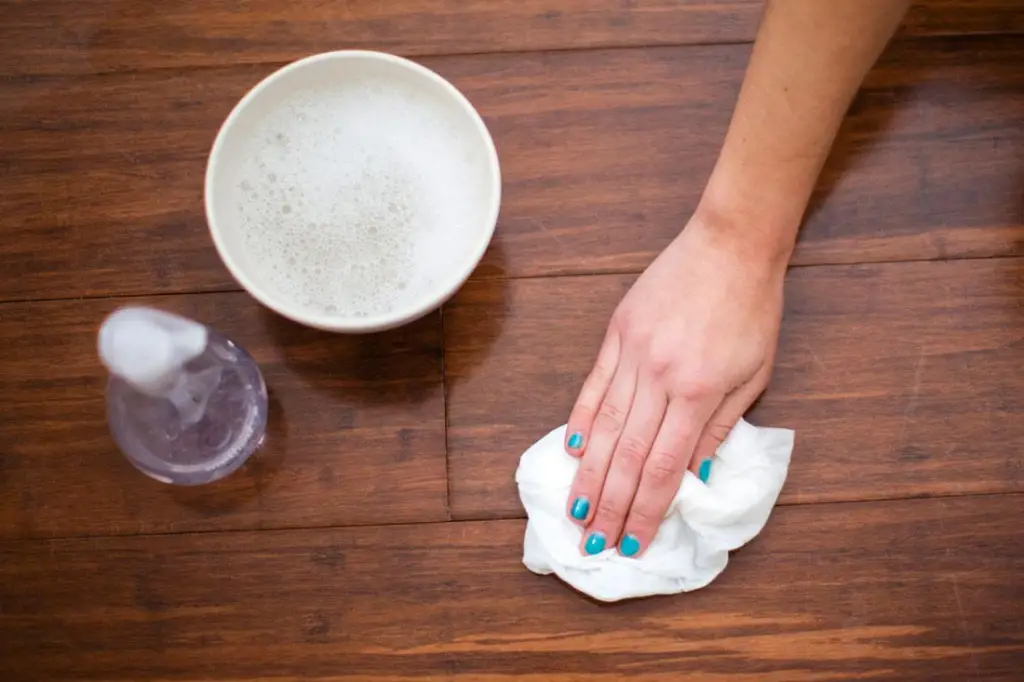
{"points": [[101, 183], [900, 380], [356, 431], [65, 37], [604, 155], [911, 590], [929, 164], [963, 17], [60, 36]]}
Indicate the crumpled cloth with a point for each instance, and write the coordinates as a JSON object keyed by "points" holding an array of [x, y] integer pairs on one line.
{"points": [[703, 524]]}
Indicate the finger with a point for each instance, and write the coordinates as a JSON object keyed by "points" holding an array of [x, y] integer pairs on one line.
{"points": [[627, 463], [608, 423], [722, 422], [663, 471], [581, 419]]}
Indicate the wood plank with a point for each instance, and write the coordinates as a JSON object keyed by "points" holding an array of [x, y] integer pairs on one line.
{"points": [[900, 379], [911, 590], [64, 37], [604, 155], [61, 36], [927, 165], [101, 183], [356, 431], [963, 17]]}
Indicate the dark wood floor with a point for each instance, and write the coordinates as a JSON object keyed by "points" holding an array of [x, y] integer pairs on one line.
{"points": [[378, 535]]}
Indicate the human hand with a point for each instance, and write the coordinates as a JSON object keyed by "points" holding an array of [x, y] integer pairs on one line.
{"points": [[687, 351]]}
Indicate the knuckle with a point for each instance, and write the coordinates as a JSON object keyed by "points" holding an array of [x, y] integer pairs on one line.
{"points": [[609, 419], [661, 361], [696, 389], [659, 366], [589, 472], [583, 412], [632, 452], [644, 516], [718, 432], [636, 335], [621, 319], [601, 373], [610, 512], [662, 469]]}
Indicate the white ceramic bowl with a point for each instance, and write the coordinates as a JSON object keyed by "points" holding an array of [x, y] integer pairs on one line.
{"points": [[352, 191]]}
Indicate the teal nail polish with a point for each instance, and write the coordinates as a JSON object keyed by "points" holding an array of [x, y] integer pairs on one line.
{"points": [[705, 470], [580, 507], [595, 543], [629, 546], [576, 440]]}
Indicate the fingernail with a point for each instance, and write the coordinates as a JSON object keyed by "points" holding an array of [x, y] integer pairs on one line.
{"points": [[576, 441], [580, 507], [705, 470], [595, 543], [629, 546]]}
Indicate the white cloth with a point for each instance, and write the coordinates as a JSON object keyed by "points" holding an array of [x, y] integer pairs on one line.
{"points": [[703, 524]]}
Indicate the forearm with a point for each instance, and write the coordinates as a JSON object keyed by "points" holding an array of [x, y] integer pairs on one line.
{"points": [[808, 61]]}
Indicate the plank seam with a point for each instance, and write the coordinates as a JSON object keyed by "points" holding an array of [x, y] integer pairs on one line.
{"points": [[7, 541], [447, 452], [276, 63], [555, 275]]}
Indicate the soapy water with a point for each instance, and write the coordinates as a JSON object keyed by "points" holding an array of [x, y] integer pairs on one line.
{"points": [[354, 201]]}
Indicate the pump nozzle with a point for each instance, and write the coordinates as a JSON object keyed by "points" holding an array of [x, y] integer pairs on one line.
{"points": [[148, 347]]}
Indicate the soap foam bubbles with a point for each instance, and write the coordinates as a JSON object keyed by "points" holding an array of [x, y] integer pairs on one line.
{"points": [[353, 202]]}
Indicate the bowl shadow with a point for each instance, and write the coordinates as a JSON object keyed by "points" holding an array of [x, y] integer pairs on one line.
{"points": [[474, 319]]}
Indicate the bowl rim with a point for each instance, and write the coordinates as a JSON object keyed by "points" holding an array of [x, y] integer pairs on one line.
{"points": [[400, 316]]}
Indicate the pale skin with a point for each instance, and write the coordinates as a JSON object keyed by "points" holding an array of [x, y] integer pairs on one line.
{"points": [[691, 345]]}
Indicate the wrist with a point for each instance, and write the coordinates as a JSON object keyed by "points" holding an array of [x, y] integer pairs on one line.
{"points": [[762, 231]]}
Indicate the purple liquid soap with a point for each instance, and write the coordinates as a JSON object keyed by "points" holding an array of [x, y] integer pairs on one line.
{"points": [[184, 404]]}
